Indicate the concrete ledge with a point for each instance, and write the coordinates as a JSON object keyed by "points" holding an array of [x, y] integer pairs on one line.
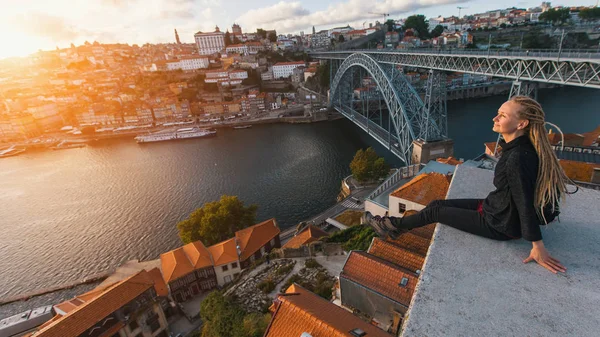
{"points": [[471, 286]]}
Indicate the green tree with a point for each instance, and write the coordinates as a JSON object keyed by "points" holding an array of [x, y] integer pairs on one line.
{"points": [[217, 221], [224, 318], [437, 31], [555, 16], [536, 40], [262, 33], [272, 37], [221, 317], [418, 23], [227, 38], [341, 38], [236, 40], [503, 25], [590, 13], [367, 165], [390, 24], [380, 168]]}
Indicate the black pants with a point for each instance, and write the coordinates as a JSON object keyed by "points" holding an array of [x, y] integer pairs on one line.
{"points": [[461, 214]]}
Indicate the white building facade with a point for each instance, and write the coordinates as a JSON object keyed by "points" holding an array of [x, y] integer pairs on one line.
{"points": [[285, 69], [210, 43]]}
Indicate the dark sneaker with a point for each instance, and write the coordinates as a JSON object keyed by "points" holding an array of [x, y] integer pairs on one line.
{"points": [[382, 225]]}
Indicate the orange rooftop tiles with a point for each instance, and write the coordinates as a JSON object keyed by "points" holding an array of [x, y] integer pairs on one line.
{"points": [[449, 161], [251, 239], [175, 264], [396, 255], [198, 254], [578, 171], [308, 235], [76, 322], [380, 276], [413, 242], [299, 310], [424, 188], [224, 252]]}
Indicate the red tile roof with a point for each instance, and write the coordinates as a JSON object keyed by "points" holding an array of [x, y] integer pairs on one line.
{"points": [[299, 310], [251, 239], [424, 188], [87, 315], [412, 242], [184, 260], [175, 264], [425, 231], [449, 161], [224, 252], [308, 235], [592, 136], [198, 255], [396, 255], [577, 170], [380, 276], [159, 283]]}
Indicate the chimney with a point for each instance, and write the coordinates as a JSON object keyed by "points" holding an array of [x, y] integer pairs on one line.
{"points": [[596, 175]]}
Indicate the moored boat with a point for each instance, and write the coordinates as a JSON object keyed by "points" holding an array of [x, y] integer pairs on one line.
{"points": [[67, 145], [242, 126], [184, 133]]}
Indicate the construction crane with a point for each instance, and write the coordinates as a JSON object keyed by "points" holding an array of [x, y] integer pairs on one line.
{"points": [[459, 8], [384, 15]]}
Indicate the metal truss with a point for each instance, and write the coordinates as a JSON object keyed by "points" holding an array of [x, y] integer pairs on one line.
{"points": [[408, 117], [435, 116], [583, 71], [520, 88]]}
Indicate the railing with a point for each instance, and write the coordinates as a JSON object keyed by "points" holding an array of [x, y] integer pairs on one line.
{"points": [[401, 173], [542, 53]]}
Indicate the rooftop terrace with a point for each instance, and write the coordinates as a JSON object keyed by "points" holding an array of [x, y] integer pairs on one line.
{"points": [[475, 286]]}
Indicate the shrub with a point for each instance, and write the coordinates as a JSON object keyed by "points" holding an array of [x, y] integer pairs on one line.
{"points": [[285, 269], [312, 263], [266, 286], [293, 279]]}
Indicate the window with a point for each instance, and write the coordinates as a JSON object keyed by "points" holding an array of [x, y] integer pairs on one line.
{"points": [[234, 265], [272, 242], [401, 208], [224, 268], [133, 325], [227, 279]]}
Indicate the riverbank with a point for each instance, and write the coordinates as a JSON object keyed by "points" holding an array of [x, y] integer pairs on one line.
{"points": [[274, 118]]}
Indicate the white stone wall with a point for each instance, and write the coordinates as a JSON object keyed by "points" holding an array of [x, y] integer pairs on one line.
{"points": [[221, 275], [374, 208], [395, 207]]}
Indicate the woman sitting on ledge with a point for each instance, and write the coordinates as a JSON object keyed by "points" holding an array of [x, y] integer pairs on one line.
{"points": [[529, 185]]}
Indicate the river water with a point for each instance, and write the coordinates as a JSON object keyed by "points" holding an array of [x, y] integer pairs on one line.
{"points": [[65, 215]]}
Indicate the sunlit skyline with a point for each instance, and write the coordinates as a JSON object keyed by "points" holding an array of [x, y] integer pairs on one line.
{"points": [[27, 26]]}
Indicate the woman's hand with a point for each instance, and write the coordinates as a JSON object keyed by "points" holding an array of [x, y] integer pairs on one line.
{"points": [[543, 258]]}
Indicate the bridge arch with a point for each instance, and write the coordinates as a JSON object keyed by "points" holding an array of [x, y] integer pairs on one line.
{"points": [[403, 102]]}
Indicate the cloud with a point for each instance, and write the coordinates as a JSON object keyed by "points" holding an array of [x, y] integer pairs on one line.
{"points": [[291, 16]]}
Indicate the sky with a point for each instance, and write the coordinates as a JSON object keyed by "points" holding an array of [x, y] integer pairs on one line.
{"points": [[29, 25]]}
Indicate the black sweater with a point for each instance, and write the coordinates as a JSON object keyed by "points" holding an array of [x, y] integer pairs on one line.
{"points": [[510, 208]]}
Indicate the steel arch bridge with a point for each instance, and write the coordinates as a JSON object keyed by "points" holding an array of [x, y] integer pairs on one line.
{"points": [[382, 87], [568, 68], [409, 117]]}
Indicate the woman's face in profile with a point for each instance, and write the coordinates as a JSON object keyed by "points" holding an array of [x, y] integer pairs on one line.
{"points": [[507, 120]]}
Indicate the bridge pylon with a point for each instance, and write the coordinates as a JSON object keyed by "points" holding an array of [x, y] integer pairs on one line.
{"points": [[434, 142]]}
